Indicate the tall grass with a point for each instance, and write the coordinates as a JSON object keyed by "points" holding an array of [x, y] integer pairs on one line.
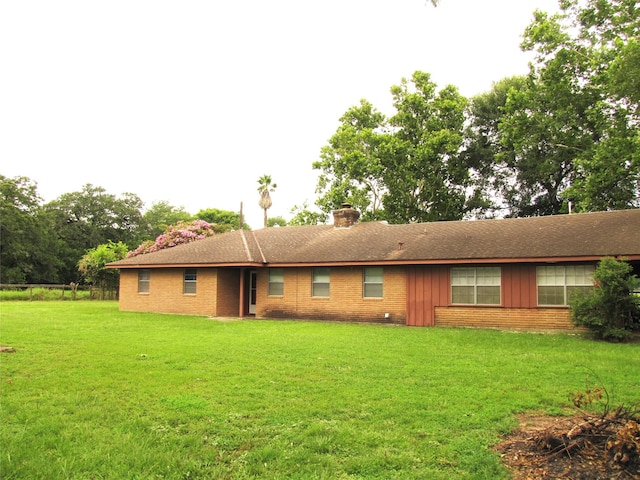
{"points": [[43, 294], [92, 392]]}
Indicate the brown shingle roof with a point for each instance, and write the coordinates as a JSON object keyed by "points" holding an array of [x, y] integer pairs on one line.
{"points": [[578, 236]]}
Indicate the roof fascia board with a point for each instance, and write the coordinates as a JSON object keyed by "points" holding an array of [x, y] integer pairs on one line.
{"points": [[590, 258], [254, 264], [188, 265]]}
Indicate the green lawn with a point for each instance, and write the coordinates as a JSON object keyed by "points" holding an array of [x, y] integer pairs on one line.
{"points": [[96, 393]]}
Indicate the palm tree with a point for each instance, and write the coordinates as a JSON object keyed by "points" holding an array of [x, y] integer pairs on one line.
{"points": [[265, 186]]}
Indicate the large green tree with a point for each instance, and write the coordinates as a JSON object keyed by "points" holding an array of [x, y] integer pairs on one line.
{"points": [[574, 126], [221, 220], [92, 264], [352, 163], [158, 217], [424, 173], [404, 168], [486, 153], [303, 215], [27, 243], [83, 220]]}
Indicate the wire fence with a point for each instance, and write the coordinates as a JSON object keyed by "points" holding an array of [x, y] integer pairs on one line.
{"points": [[47, 291]]}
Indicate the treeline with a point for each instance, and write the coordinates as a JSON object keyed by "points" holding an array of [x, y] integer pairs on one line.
{"points": [[564, 136], [43, 243]]}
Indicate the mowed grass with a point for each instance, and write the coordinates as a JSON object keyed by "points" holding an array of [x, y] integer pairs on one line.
{"points": [[92, 392]]}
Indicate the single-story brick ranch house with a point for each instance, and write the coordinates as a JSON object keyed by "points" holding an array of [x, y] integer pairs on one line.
{"points": [[506, 273]]}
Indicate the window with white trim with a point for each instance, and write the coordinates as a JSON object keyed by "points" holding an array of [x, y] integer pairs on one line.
{"points": [[556, 283], [190, 279], [475, 285], [372, 281], [144, 280], [276, 282], [321, 279]]}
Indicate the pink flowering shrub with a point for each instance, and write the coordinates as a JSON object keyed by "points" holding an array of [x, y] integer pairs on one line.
{"points": [[182, 232]]}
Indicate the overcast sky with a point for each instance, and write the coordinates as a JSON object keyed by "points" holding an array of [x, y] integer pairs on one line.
{"points": [[191, 101]]}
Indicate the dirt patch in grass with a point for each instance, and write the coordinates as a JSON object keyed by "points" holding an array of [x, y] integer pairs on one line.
{"points": [[537, 450]]}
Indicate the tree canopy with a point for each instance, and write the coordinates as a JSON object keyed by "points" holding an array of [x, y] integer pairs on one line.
{"points": [[92, 264], [566, 134], [71, 238], [221, 220], [573, 126], [27, 242], [403, 168]]}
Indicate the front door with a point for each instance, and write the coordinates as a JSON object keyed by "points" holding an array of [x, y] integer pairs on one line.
{"points": [[252, 292]]}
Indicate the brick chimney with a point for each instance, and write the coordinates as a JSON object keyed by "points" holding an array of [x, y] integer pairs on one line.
{"points": [[345, 217]]}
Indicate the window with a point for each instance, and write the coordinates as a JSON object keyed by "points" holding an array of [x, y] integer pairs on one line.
{"points": [[276, 281], [372, 282], [557, 283], [190, 278], [144, 278], [321, 277], [475, 285]]}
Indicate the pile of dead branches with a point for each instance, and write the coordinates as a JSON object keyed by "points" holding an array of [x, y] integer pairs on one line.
{"points": [[616, 432]]}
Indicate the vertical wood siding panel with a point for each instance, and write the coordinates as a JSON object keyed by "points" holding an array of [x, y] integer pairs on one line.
{"points": [[529, 277], [519, 286], [421, 286], [427, 288], [506, 286], [415, 296], [429, 291], [510, 289], [411, 292], [444, 278]]}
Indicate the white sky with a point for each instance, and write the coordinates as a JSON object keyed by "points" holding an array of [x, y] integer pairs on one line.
{"points": [[191, 101]]}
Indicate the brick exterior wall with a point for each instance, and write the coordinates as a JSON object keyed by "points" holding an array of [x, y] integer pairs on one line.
{"points": [[345, 301], [218, 294], [165, 292], [509, 318]]}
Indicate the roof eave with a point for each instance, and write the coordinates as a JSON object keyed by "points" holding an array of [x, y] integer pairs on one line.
{"points": [[186, 265], [356, 263], [451, 261]]}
